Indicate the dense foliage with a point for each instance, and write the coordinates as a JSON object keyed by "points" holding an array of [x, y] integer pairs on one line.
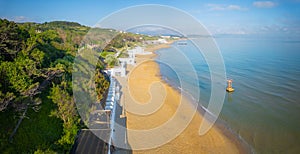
{"points": [[65, 111], [37, 109], [35, 82]]}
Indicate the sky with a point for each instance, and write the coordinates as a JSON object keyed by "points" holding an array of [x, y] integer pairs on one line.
{"points": [[280, 17]]}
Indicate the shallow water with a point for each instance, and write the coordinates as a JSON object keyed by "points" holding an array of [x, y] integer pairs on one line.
{"points": [[265, 108]]}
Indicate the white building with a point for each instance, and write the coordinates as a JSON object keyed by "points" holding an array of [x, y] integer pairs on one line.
{"points": [[117, 71], [159, 41], [166, 36], [137, 51], [121, 70], [130, 61], [162, 41]]}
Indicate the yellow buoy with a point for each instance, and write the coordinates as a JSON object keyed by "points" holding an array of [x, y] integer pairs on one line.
{"points": [[229, 86]]}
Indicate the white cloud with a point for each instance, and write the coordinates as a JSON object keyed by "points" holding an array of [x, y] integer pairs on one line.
{"points": [[264, 4], [230, 30], [276, 29], [222, 7], [20, 19]]}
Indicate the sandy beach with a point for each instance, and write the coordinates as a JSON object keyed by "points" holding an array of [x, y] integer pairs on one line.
{"points": [[150, 102]]}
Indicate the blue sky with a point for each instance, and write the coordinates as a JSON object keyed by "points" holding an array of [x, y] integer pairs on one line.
{"points": [[219, 16]]}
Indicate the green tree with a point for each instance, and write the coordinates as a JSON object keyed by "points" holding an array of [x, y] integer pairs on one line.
{"points": [[111, 60], [12, 39], [102, 84], [66, 112], [5, 99], [37, 56]]}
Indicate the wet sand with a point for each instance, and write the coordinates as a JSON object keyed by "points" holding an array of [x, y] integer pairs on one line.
{"points": [[150, 103]]}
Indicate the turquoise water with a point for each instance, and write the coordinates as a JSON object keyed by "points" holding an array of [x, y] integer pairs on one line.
{"points": [[264, 110]]}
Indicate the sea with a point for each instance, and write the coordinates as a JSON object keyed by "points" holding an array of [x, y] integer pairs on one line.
{"points": [[264, 109]]}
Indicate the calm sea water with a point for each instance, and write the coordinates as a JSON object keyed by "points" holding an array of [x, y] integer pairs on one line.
{"points": [[264, 110]]}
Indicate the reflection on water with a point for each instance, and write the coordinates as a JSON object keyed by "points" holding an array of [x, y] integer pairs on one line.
{"points": [[229, 97]]}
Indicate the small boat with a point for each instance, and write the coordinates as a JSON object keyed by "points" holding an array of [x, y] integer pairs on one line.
{"points": [[181, 43]]}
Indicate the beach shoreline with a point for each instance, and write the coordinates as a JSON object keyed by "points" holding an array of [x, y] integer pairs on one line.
{"points": [[217, 140]]}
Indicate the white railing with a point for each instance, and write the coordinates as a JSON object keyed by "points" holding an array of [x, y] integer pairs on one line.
{"points": [[112, 101]]}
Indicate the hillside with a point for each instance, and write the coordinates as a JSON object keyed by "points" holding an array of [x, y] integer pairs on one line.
{"points": [[38, 112]]}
